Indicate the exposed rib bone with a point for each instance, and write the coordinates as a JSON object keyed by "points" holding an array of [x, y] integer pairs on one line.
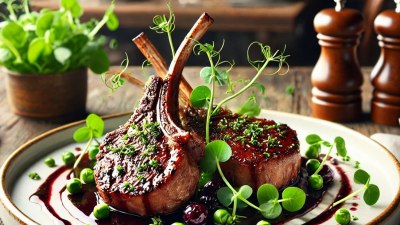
{"points": [[168, 112], [154, 57]]}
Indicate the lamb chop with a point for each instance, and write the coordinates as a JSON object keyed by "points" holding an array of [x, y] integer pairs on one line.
{"points": [[262, 150], [147, 166]]}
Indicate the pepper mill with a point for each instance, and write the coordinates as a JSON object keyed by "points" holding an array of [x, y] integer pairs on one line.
{"points": [[337, 77], [385, 77]]}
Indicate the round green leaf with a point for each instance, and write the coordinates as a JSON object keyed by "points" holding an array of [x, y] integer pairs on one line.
{"points": [[5, 55], [267, 192], [313, 151], [341, 146], [219, 150], [15, 34], [250, 108], [98, 61], [313, 138], [112, 22], [36, 49], [72, 6], [371, 195], [62, 54], [200, 96], [208, 164], [44, 23], [245, 191], [82, 134], [205, 74], [225, 196], [361, 177], [96, 123], [294, 199], [271, 209]]}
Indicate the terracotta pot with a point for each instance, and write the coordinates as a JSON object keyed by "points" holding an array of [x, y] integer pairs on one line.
{"points": [[47, 95]]}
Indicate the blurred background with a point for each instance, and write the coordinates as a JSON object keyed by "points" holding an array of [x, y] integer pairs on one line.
{"points": [[278, 23]]}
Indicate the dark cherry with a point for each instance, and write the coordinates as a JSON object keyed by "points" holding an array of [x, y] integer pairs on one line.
{"points": [[211, 187], [195, 214], [211, 202]]}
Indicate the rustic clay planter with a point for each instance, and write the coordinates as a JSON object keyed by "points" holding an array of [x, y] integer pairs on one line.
{"points": [[47, 95]]}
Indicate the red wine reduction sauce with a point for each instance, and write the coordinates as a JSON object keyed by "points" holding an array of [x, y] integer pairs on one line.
{"points": [[64, 208]]}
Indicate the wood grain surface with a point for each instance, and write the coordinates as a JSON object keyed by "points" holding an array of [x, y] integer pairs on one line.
{"points": [[15, 130]]}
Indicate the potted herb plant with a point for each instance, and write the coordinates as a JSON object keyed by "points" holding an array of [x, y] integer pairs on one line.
{"points": [[45, 56]]}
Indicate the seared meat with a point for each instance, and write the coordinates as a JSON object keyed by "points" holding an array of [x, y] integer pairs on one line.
{"points": [[263, 151], [139, 170], [148, 165]]}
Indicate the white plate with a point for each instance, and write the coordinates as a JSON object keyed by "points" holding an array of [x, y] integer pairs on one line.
{"points": [[16, 187]]}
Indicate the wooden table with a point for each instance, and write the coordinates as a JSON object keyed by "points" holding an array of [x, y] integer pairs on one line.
{"points": [[139, 14], [15, 130]]}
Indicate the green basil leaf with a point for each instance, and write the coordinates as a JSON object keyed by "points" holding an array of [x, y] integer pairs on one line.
{"points": [[36, 49], [371, 194], [200, 96], [62, 54], [294, 199], [361, 177], [96, 123], [267, 192], [82, 134]]}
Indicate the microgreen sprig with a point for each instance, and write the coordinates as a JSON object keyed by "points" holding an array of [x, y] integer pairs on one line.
{"points": [[116, 81], [293, 198], [315, 141], [94, 129], [162, 24], [259, 65], [371, 191]]}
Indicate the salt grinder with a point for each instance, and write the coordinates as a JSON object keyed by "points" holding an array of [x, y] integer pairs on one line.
{"points": [[337, 77], [385, 77]]}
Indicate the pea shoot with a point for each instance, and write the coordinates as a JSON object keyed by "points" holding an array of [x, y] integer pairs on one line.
{"points": [[87, 176], [371, 191], [315, 180], [101, 211], [68, 158], [74, 186], [50, 162], [94, 129], [162, 24], [156, 221]]}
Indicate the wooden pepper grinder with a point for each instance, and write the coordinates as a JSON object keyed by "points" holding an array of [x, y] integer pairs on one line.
{"points": [[337, 77], [385, 77]]}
